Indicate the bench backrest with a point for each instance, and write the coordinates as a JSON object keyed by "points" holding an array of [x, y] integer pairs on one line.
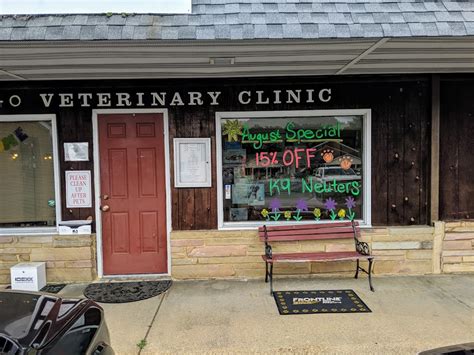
{"points": [[320, 231]]}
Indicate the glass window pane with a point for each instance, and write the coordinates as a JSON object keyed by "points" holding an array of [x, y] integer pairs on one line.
{"points": [[26, 174], [292, 169]]}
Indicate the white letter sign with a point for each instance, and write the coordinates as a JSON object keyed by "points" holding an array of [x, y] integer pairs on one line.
{"points": [[78, 189]]}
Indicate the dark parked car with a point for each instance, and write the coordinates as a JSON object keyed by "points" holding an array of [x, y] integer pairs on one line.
{"points": [[36, 323]]}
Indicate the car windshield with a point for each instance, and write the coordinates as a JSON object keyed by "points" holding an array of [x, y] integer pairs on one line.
{"points": [[339, 171], [16, 310]]}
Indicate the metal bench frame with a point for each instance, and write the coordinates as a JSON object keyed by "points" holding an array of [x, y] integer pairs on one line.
{"points": [[361, 247]]}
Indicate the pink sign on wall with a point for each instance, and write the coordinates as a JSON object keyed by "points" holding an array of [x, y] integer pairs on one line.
{"points": [[78, 189]]}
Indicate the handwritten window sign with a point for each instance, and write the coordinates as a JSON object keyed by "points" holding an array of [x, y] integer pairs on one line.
{"points": [[78, 189], [192, 162], [301, 166]]}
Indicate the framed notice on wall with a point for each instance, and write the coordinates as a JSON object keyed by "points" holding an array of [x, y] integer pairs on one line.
{"points": [[192, 162], [78, 189]]}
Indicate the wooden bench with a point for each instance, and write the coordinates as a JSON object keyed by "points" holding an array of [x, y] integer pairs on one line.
{"points": [[322, 231]]}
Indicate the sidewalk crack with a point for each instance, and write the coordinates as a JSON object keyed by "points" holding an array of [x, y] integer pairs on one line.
{"points": [[153, 319]]}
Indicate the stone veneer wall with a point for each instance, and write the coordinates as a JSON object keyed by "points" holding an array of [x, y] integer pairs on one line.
{"points": [[457, 247], [446, 248], [68, 258], [225, 254]]}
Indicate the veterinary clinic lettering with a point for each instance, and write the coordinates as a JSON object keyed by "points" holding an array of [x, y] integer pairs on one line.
{"points": [[325, 133], [166, 98]]}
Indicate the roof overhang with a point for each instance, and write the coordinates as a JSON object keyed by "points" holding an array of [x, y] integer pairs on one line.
{"points": [[68, 60]]}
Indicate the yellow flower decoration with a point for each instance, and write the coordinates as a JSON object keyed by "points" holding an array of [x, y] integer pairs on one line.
{"points": [[341, 213], [317, 212], [287, 214], [233, 129], [264, 212]]}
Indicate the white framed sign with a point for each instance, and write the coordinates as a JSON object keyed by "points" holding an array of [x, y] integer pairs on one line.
{"points": [[78, 189], [192, 162], [76, 151]]}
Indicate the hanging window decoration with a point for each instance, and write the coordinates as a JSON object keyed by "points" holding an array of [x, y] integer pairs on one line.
{"points": [[292, 169]]}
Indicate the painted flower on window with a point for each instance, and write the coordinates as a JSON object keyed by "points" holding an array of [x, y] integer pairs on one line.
{"points": [[301, 205], [350, 204], [264, 213], [287, 215], [317, 213], [331, 204], [342, 213], [233, 129], [275, 204]]}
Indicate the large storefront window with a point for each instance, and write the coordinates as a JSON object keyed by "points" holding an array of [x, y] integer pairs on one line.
{"points": [[27, 188], [288, 167]]}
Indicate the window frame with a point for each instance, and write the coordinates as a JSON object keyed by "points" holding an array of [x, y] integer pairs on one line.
{"points": [[366, 222], [57, 187]]}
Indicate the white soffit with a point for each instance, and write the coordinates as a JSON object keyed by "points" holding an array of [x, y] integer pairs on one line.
{"points": [[197, 59]]}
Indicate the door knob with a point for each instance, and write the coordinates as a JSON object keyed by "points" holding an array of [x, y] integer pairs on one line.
{"points": [[105, 197], [104, 208]]}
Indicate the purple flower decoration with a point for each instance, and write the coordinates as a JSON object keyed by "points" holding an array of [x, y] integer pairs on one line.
{"points": [[275, 204], [330, 204], [301, 205], [350, 202]]}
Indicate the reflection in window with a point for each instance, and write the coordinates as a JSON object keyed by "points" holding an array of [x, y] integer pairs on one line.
{"points": [[27, 174], [292, 169]]}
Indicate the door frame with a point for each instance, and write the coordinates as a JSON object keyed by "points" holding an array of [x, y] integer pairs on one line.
{"points": [[98, 212]]}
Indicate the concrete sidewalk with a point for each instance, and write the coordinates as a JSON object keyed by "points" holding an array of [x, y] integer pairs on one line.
{"points": [[409, 314]]}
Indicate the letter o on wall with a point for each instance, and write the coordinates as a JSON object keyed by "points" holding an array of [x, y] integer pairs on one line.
{"points": [[15, 100]]}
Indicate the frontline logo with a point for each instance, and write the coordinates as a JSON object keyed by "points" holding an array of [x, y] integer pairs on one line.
{"points": [[23, 279], [316, 300]]}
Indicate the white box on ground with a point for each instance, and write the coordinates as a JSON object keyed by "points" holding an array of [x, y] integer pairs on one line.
{"points": [[28, 276], [74, 227]]}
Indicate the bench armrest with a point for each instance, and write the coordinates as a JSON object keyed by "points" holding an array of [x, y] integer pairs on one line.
{"points": [[361, 247], [268, 247]]}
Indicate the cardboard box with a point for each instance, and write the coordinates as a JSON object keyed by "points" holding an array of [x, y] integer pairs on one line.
{"points": [[28, 276]]}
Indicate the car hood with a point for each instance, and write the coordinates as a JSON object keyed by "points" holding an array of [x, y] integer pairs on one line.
{"points": [[34, 318]]}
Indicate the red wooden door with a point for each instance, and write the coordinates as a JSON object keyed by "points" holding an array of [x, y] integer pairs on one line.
{"points": [[132, 183]]}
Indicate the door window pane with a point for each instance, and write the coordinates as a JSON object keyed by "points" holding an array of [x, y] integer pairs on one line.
{"points": [[294, 169], [26, 174]]}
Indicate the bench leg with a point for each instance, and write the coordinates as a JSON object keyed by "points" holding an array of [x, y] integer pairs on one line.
{"points": [[357, 270], [266, 272], [271, 279], [370, 275]]}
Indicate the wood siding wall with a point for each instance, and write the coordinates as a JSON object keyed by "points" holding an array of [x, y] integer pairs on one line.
{"points": [[400, 127], [400, 135], [457, 149]]}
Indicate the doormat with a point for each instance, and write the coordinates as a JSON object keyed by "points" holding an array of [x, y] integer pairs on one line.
{"points": [[53, 288], [121, 292], [319, 302]]}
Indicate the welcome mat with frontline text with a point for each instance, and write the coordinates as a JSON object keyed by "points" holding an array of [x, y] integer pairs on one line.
{"points": [[319, 302]]}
